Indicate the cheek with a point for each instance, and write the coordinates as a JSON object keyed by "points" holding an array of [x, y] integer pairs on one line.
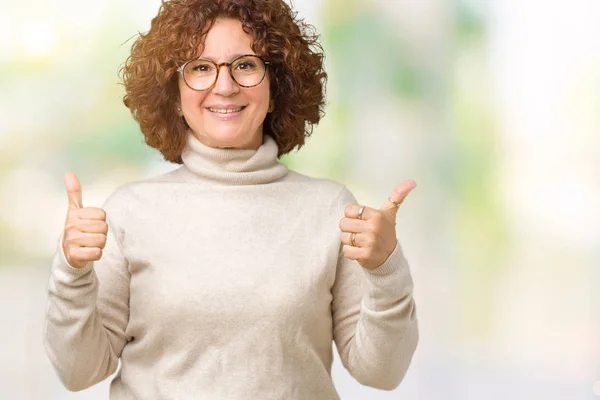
{"points": [[262, 93], [190, 98], [261, 97]]}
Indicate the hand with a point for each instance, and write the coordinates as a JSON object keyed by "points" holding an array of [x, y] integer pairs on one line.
{"points": [[375, 232], [85, 228]]}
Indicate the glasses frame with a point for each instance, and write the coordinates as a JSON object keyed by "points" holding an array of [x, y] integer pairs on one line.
{"points": [[223, 64]]}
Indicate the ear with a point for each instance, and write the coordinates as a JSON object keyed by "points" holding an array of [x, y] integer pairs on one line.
{"points": [[178, 109], [271, 106]]}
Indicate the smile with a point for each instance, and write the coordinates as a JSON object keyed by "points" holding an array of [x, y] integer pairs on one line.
{"points": [[225, 110]]}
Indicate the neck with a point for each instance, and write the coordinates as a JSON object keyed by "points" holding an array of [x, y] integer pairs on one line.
{"points": [[253, 144], [231, 166]]}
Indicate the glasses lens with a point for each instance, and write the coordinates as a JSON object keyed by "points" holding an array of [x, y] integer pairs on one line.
{"points": [[200, 74], [248, 70]]}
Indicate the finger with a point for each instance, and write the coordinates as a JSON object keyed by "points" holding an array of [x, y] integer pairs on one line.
{"points": [[398, 195], [89, 240], [352, 210], [353, 225], [73, 191], [359, 239], [87, 254], [353, 253], [93, 213], [93, 226]]}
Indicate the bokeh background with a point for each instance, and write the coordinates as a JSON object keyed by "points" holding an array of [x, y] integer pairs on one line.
{"points": [[491, 106]]}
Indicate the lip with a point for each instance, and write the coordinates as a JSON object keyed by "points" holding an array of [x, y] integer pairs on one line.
{"points": [[227, 116], [225, 106]]}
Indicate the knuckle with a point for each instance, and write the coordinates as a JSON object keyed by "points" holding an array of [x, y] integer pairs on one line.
{"points": [[97, 254], [69, 239], [74, 224], [347, 251], [72, 254], [75, 235], [71, 228]]}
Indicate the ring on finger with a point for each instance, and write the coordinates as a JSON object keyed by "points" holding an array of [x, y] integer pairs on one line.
{"points": [[394, 202], [352, 239], [360, 212]]}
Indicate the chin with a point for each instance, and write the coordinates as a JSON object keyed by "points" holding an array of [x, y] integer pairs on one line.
{"points": [[229, 140]]}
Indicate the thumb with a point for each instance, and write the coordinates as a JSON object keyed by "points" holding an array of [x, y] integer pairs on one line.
{"points": [[73, 190], [398, 196]]}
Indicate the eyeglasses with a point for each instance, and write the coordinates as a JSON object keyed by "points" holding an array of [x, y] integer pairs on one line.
{"points": [[247, 71]]}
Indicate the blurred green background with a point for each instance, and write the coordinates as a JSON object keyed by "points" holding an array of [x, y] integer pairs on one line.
{"points": [[491, 106]]}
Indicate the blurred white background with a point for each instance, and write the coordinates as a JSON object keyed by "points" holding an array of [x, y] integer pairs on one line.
{"points": [[491, 106]]}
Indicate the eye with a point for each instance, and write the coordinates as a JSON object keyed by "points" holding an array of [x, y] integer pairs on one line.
{"points": [[201, 68], [245, 65]]}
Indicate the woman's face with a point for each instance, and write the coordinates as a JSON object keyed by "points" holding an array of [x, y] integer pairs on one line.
{"points": [[225, 41]]}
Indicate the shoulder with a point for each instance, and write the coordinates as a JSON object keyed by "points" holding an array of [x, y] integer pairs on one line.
{"points": [[146, 186], [316, 185], [129, 199], [322, 188]]}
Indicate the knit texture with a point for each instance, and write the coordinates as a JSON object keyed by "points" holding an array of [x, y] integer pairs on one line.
{"points": [[225, 279]]}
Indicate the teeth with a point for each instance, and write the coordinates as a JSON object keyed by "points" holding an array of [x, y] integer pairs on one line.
{"points": [[225, 110]]}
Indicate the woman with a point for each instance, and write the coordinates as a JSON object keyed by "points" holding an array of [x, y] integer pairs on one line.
{"points": [[229, 277]]}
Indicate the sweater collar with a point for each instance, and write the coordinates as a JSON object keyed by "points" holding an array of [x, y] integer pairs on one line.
{"points": [[205, 164]]}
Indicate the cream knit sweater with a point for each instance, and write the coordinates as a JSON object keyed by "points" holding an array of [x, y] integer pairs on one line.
{"points": [[224, 279]]}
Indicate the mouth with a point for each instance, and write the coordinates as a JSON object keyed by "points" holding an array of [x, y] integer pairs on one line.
{"points": [[226, 111]]}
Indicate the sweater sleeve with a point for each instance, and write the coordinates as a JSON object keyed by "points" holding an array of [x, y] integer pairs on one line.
{"points": [[374, 317], [88, 310]]}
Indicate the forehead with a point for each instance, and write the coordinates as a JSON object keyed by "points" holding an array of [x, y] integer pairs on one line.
{"points": [[225, 40]]}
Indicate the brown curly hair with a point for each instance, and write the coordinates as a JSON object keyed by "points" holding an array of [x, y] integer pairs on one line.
{"points": [[296, 72]]}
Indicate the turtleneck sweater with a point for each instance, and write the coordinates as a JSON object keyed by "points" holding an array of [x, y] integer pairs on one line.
{"points": [[225, 279]]}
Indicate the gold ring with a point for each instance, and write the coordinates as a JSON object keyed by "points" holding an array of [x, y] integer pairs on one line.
{"points": [[393, 202], [352, 237], [360, 212]]}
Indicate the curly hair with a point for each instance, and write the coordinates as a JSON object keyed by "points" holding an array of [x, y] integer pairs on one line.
{"points": [[296, 73]]}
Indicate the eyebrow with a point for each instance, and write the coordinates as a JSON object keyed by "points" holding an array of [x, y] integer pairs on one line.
{"points": [[232, 56]]}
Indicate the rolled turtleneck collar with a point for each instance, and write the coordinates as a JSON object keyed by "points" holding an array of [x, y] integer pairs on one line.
{"points": [[210, 165]]}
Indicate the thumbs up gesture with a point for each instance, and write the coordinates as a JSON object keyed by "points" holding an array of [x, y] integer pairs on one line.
{"points": [[369, 235], [85, 227]]}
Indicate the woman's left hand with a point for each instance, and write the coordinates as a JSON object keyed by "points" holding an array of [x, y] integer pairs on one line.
{"points": [[370, 238]]}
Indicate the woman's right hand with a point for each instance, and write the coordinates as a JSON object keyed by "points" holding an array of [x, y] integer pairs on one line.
{"points": [[85, 227]]}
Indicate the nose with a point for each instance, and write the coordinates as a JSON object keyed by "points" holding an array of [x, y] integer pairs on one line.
{"points": [[225, 85]]}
